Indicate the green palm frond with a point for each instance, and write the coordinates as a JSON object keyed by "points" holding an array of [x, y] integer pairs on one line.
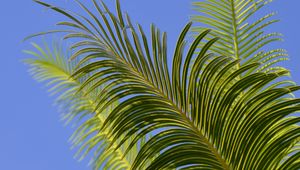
{"points": [[51, 66], [242, 36], [201, 116]]}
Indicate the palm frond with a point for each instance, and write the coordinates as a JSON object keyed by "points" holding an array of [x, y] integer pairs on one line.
{"points": [[51, 66], [242, 36], [201, 116]]}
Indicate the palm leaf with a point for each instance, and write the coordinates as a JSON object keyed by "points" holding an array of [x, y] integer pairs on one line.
{"points": [[201, 117], [242, 36], [52, 67]]}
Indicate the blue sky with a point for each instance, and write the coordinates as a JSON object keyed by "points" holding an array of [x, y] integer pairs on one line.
{"points": [[32, 137]]}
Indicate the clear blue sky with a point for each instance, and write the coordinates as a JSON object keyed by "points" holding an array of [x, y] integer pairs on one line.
{"points": [[31, 135]]}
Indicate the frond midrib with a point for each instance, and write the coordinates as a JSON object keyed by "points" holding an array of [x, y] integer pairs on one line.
{"points": [[235, 31]]}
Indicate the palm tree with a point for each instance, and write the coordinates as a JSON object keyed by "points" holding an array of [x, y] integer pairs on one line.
{"points": [[141, 113]]}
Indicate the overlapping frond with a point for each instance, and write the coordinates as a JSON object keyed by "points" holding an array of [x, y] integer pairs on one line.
{"points": [[51, 66], [242, 36], [202, 117]]}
